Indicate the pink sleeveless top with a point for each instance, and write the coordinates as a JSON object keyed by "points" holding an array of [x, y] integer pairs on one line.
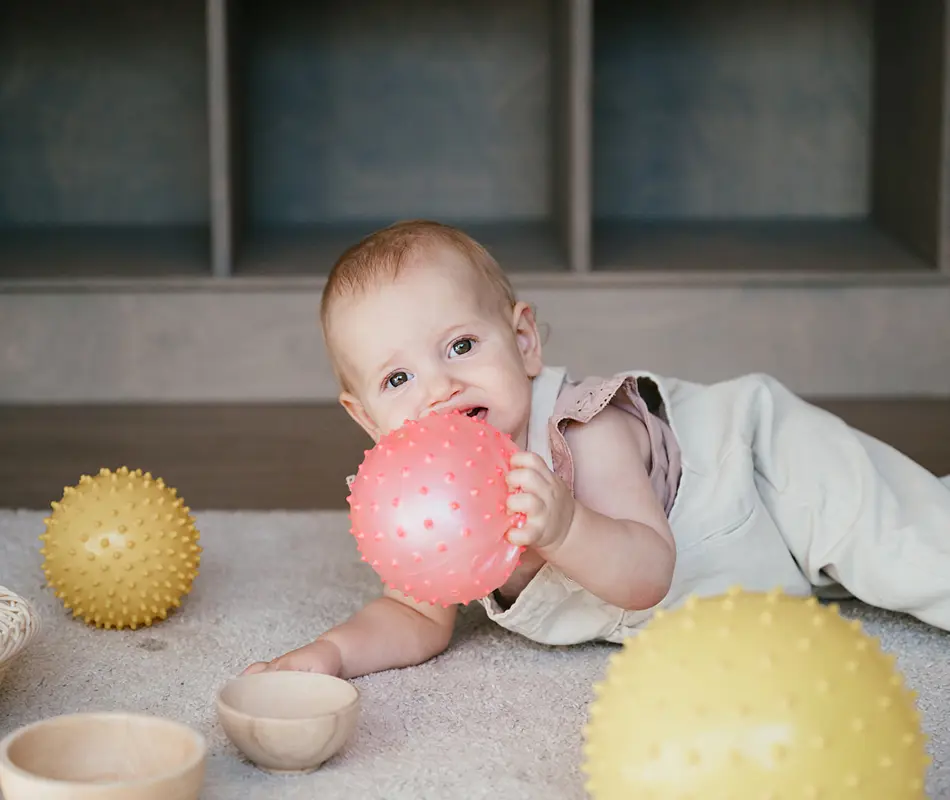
{"points": [[580, 401]]}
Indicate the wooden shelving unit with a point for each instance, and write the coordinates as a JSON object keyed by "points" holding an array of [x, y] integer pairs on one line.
{"points": [[698, 187], [244, 139]]}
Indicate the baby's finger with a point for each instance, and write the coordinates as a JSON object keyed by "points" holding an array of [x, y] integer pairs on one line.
{"points": [[259, 666], [525, 503], [525, 459], [524, 537], [528, 480]]}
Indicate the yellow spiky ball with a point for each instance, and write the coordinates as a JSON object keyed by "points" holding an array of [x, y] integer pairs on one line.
{"points": [[121, 549], [749, 696]]}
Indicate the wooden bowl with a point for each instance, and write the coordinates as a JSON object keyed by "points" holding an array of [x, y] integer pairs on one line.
{"points": [[103, 756], [288, 721]]}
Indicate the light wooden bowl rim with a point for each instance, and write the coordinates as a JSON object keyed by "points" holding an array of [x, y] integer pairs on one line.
{"points": [[354, 700], [201, 750]]}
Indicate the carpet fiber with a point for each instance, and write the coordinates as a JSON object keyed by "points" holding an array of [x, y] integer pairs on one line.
{"points": [[494, 717]]}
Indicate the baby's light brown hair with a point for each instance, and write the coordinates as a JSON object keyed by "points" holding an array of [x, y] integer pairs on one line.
{"points": [[384, 254]]}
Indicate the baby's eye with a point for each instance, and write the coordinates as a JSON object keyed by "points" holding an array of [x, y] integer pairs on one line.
{"points": [[396, 379], [462, 346]]}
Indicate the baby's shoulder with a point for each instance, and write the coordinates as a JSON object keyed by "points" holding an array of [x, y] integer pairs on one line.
{"points": [[612, 437], [607, 423], [604, 428]]}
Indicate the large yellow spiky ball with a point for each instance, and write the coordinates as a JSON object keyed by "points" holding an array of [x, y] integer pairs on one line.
{"points": [[753, 696], [120, 548]]}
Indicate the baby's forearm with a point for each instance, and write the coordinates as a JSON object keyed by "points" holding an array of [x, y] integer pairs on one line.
{"points": [[386, 634], [625, 563]]}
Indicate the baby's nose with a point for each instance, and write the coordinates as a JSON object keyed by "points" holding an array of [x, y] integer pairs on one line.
{"points": [[442, 389]]}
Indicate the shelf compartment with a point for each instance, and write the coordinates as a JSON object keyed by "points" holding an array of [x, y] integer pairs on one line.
{"points": [[355, 115], [103, 139], [312, 249], [782, 245], [91, 251], [763, 135]]}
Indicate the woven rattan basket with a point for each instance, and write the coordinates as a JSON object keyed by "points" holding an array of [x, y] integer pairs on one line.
{"points": [[19, 623]]}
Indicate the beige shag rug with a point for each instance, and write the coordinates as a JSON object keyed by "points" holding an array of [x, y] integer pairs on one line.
{"points": [[494, 717]]}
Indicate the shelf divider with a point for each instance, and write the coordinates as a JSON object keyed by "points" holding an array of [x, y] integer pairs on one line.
{"points": [[572, 136], [221, 125]]}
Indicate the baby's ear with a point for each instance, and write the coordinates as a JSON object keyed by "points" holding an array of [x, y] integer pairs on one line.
{"points": [[356, 410], [529, 341]]}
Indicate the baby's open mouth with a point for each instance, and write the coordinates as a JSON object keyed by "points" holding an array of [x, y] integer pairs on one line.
{"points": [[478, 412]]}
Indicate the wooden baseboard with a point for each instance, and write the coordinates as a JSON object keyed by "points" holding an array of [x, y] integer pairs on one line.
{"points": [[216, 456], [290, 456]]}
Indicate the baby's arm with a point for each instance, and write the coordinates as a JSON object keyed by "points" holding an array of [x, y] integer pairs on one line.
{"points": [[612, 536], [390, 632], [619, 544]]}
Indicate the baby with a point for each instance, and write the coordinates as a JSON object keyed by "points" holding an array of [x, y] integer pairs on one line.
{"points": [[638, 489]]}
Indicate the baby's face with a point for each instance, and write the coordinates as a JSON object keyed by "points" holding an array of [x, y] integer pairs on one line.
{"points": [[435, 340]]}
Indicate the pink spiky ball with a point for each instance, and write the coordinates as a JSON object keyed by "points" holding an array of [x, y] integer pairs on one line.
{"points": [[429, 509]]}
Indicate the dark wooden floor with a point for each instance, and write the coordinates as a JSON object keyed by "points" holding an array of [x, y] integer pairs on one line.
{"points": [[294, 456]]}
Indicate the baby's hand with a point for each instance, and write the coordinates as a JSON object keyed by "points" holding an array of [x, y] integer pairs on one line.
{"points": [[543, 498], [318, 656]]}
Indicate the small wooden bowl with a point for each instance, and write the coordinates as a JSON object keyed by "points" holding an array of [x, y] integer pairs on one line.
{"points": [[103, 756], [288, 721]]}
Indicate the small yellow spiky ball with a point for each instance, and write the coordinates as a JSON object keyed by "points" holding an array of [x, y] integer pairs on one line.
{"points": [[120, 548], [749, 696]]}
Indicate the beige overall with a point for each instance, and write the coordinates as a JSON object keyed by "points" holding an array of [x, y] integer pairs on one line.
{"points": [[769, 491]]}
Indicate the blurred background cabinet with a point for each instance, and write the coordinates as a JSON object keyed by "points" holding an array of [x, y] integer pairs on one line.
{"points": [[248, 137], [635, 164]]}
